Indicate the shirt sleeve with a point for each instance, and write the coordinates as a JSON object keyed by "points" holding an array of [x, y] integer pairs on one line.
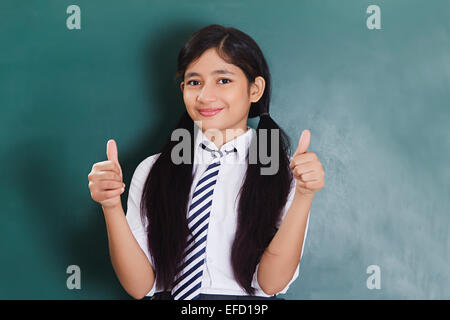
{"points": [[133, 215], [255, 283]]}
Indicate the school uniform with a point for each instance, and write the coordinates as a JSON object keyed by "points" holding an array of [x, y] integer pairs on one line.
{"points": [[217, 280]]}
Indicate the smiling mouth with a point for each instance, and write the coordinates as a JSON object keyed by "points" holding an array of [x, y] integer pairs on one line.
{"points": [[209, 112]]}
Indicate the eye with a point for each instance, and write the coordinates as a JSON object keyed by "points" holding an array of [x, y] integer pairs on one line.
{"points": [[191, 81], [226, 80]]}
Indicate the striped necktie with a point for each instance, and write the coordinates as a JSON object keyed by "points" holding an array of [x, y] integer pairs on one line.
{"points": [[189, 281]]}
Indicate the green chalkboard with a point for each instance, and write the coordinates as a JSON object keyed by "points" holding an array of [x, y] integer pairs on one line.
{"points": [[376, 101]]}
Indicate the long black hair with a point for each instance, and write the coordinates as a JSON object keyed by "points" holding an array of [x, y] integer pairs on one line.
{"points": [[165, 197]]}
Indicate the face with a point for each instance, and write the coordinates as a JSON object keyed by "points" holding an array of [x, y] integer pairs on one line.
{"points": [[212, 83]]}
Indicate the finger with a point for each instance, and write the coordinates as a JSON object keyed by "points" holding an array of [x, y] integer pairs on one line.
{"points": [[305, 167], [104, 195], [104, 185], [303, 143], [107, 166], [310, 176], [302, 158], [296, 174], [104, 175], [107, 175], [112, 153], [300, 183]]}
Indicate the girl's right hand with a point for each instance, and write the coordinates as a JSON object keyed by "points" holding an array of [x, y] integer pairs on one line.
{"points": [[105, 179]]}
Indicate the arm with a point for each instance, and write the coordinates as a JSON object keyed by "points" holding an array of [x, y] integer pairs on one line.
{"points": [[130, 263], [280, 259]]}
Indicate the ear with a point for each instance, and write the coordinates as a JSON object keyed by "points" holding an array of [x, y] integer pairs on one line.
{"points": [[182, 86], [257, 89]]}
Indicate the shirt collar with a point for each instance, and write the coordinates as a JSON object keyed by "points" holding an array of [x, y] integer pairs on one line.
{"points": [[241, 143]]}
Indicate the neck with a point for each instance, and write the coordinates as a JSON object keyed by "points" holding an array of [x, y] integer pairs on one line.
{"points": [[222, 136]]}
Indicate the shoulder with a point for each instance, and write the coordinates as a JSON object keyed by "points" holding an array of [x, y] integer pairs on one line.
{"points": [[144, 167]]}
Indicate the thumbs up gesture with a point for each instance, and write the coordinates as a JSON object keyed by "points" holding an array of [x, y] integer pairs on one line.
{"points": [[306, 167], [106, 180]]}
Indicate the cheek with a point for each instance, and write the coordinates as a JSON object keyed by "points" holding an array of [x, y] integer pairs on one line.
{"points": [[189, 99], [190, 108], [238, 102]]}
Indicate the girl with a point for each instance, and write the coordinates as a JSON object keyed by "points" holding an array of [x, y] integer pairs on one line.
{"points": [[214, 226]]}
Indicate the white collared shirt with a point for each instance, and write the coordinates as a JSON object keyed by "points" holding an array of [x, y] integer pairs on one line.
{"points": [[218, 274]]}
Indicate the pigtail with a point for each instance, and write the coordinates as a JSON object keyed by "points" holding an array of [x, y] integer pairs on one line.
{"points": [[164, 205], [261, 202]]}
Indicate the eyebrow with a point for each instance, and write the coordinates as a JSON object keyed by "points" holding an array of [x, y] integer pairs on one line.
{"points": [[221, 71]]}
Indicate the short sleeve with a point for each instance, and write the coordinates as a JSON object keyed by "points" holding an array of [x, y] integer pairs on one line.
{"points": [[133, 215], [291, 195]]}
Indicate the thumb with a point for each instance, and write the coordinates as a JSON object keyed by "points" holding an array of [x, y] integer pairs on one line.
{"points": [[111, 152], [303, 144]]}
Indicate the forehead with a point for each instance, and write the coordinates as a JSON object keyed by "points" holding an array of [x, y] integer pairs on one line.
{"points": [[210, 63]]}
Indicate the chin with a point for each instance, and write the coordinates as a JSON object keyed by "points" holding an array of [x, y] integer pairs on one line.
{"points": [[211, 123], [208, 125]]}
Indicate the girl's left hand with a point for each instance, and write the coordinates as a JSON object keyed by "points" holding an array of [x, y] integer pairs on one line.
{"points": [[307, 168]]}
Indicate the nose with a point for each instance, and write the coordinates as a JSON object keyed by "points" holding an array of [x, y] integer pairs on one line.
{"points": [[207, 94]]}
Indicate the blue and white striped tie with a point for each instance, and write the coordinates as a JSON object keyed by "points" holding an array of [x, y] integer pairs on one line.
{"points": [[189, 281]]}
